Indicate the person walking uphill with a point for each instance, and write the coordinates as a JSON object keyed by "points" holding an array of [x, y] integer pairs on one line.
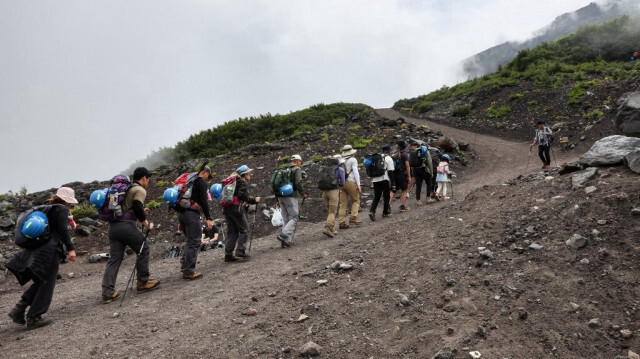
{"points": [[351, 188], [422, 168], [41, 264], [124, 232], [382, 186], [287, 200], [544, 137], [331, 177], [189, 219], [236, 217], [402, 174]]}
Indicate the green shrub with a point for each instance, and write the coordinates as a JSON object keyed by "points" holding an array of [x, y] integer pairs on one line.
{"points": [[153, 205], [515, 96], [324, 136], [84, 210], [595, 113], [578, 91], [498, 112], [462, 111], [532, 103], [358, 142], [354, 128], [163, 184], [317, 158]]}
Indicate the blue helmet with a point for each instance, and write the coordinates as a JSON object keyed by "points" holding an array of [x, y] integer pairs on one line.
{"points": [[286, 189], [98, 198], [447, 157], [216, 191], [367, 162], [34, 225], [170, 196]]}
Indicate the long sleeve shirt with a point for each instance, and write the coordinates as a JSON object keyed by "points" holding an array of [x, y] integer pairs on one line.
{"points": [[351, 167]]}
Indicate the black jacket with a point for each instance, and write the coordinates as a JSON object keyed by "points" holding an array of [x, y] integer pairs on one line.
{"points": [[200, 196], [35, 263]]}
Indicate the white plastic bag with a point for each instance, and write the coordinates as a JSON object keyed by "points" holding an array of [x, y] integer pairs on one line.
{"points": [[276, 219]]}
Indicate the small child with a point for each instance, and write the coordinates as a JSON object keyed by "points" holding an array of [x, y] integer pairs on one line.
{"points": [[442, 176]]}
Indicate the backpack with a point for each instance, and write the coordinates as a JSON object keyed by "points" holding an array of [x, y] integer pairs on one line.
{"points": [[25, 242], [185, 191], [327, 174], [415, 160], [227, 197], [435, 157], [111, 210], [442, 167], [279, 178], [376, 168]]}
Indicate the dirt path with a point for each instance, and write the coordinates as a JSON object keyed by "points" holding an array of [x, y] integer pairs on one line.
{"points": [[355, 314]]}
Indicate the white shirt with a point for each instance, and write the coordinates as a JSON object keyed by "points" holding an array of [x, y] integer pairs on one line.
{"points": [[351, 169], [388, 166]]}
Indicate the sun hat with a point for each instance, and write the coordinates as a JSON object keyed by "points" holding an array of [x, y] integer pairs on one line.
{"points": [[67, 194], [244, 169], [347, 150], [296, 158]]}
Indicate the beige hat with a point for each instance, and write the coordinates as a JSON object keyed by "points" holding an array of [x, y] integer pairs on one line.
{"points": [[67, 194], [296, 157], [347, 150]]}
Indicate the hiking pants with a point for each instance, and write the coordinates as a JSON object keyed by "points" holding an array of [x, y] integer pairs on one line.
{"points": [[237, 228], [39, 295], [330, 199], [543, 153], [190, 222], [350, 190], [381, 188], [421, 174], [442, 188], [290, 215], [122, 234]]}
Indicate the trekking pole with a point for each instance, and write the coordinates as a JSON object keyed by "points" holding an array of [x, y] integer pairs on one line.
{"points": [[554, 155], [253, 227], [528, 158], [135, 265]]}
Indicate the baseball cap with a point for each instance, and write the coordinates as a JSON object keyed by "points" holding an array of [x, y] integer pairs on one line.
{"points": [[296, 157]]}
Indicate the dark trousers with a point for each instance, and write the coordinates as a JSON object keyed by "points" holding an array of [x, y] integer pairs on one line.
{"points": [[121, 235], [381, 188], [421, 174], [39, 295], [543, 152], [190, 222], [237, 228]]}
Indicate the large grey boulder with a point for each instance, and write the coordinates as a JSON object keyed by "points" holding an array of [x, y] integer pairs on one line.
{"points": [[610, 150], [628, 116], [582, 177], [632, 160]]}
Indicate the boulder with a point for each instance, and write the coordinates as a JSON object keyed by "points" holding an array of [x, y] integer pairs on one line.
{"points": [[83, 231], [447, 144], [610, 150], [584, 176], [86, 221], [628, 116], [632, 160], [567, 168], [7, 223]]}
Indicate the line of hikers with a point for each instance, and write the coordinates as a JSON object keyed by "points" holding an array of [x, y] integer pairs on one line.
{"points": [[43, 231]]}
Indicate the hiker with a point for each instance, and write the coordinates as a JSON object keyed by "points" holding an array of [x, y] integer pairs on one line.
{"points": [[422, 167], [189, 220], [351, 189], [443, 177], [236, 216], [41, 264], [436, 155], [543, 138], [124, 233], [402, 174], [331, 191], [209, 237], [287, 201], [382, 186]]}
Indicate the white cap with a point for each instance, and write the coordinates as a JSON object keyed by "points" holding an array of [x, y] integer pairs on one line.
{"points": [[296, 157]]}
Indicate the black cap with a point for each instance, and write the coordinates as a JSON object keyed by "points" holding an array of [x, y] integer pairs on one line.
{"points": [[540, 122], [413, 142], [402, 144], [386, 148], [140, 172]]}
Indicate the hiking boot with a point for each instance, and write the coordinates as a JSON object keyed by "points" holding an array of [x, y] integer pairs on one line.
{"points": [[108, 298], [328, 232], [404, 208], [230, 258], [386, 215], [431, 200], [418, 203], [37, 322], [242, 257], [17, 313], [372, 216], [284, 241], [192, 276], [344, 226], [151, 284], [355, 220]]}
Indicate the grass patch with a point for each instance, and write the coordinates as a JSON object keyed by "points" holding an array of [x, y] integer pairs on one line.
{"points": [[84, 210]]}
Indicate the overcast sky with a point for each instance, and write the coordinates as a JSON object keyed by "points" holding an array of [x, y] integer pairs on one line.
{"points": [[88, 87]]}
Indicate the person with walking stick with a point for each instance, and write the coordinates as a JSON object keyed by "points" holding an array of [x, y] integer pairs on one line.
{"points": [[544, 137], [236, 217], [124, 233]]}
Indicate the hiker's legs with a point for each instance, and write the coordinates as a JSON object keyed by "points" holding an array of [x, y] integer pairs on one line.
{"points": [[243, 228], [116, 255], [352, 190], [232, 233], [543, 153], [377, 194], [40, 293], [342, 212], [440, 188], [289, 205], [330, 199], [421, 175], [128, 234], [283, 212], [190, 222]]}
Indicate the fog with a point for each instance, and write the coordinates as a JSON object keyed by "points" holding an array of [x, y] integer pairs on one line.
{"points": [[89, 87]]}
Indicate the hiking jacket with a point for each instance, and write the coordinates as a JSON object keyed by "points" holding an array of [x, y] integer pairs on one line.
{"points": [[351, 166], [542, 136], [199, 195], [242, 193], [297, 181], [36, 263]]}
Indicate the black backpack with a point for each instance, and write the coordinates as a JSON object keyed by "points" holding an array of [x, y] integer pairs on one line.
{"points": [[376, 168], [415, 160], [436, 156], [326, 174]]}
